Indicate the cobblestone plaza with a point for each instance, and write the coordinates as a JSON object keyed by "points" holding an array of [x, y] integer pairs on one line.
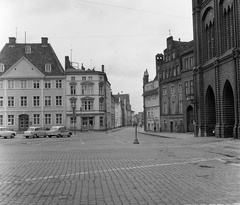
{"points": [[107, 168]]}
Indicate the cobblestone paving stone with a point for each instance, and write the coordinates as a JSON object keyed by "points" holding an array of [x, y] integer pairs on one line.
{"points": [[107, 168]]}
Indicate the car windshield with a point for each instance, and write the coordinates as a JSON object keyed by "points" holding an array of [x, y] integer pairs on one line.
{"points": [[53, 129], [30, 129], [4, 129]]}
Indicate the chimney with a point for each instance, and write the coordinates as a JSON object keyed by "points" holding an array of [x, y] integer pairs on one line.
{"points": [[12, 40], [102, 68], [67, 62], [44, 40]]}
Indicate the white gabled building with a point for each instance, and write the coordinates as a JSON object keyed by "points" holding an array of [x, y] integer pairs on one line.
{"points": [[32, 86]]}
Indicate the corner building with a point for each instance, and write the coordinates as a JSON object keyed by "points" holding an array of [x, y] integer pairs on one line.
{"points": [[88, 99], [32, 86], [217, 67]]}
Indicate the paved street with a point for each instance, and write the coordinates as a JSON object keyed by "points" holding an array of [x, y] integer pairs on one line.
{"points": [[107, 168]]}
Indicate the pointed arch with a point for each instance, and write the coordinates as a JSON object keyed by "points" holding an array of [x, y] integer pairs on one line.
{"points": [[228, 109], [210, 111]]}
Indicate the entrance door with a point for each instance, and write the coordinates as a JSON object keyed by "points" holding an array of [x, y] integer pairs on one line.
{"points": [[87, 123], [90, 123], [23, 122], [171, 126], [190, 127]]}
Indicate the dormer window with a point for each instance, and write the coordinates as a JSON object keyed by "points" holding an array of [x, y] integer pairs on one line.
{"points": [[48, 68], [28, 49], [2, 67]]}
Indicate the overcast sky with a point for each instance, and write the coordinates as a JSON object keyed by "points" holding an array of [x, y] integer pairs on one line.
{"points": [[122, 35]]}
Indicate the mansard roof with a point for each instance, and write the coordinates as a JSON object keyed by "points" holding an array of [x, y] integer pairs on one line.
{"points": [[39, 55]]}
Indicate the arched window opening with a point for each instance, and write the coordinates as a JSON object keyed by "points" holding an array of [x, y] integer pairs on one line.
{"points": [[227, 25], [208, 34], [28, 49], [48, 68], [2, 67]]}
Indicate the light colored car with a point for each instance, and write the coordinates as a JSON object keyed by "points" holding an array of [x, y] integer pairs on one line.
{"points": [[5, 132], [58, 131], [35, 132]]}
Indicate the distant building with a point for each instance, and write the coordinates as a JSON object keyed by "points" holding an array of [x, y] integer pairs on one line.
{"points": [[151, 107], [217, 67], [88, 98], [127, 114], [32, 86], [119, 109]]}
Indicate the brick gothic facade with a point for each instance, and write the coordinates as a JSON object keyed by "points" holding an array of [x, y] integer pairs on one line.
{"points": [[217, 72]]}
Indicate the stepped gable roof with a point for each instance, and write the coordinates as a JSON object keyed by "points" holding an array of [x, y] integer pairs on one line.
{"points": [[40, 55], [188, 47]]}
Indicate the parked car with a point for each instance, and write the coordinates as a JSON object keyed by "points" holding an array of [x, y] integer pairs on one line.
{"points": [[58, 131], [35, 132], [5, 132]]}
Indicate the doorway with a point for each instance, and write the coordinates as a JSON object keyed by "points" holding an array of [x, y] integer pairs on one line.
{"points": [[190, 117], [87, 123], [23, 122], [228, 110]]}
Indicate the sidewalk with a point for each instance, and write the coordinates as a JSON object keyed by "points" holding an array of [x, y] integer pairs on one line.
{"points": [[225, 146], [166, 134]]}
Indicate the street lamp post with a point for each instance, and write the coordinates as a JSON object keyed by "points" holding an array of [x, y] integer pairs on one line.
{"points": [[73, 105], [135, 124], [74, 118]]}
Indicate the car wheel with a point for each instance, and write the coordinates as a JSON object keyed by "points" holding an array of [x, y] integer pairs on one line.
{"points": [[35, 136], [12, 135], [27, 137], [49, 136], [59, 135], [5, 137], [69, 135]]}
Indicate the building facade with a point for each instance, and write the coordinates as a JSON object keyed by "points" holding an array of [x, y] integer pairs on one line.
{"points": [[151, 103], [32, 86], [127, 113], [88, 99], [187, 62], [217, 71], [175, 83]]}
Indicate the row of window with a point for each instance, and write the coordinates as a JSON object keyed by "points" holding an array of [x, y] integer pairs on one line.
{"points": [[188, 63], [152, 113], [87, 104], [73, 121], [170, 56], [48, 67], [24, 102], [86, 90], [84, 78], [188, 85], [171, 72], [172, 107], [36, 119], [150, 98], [24, 84]]}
